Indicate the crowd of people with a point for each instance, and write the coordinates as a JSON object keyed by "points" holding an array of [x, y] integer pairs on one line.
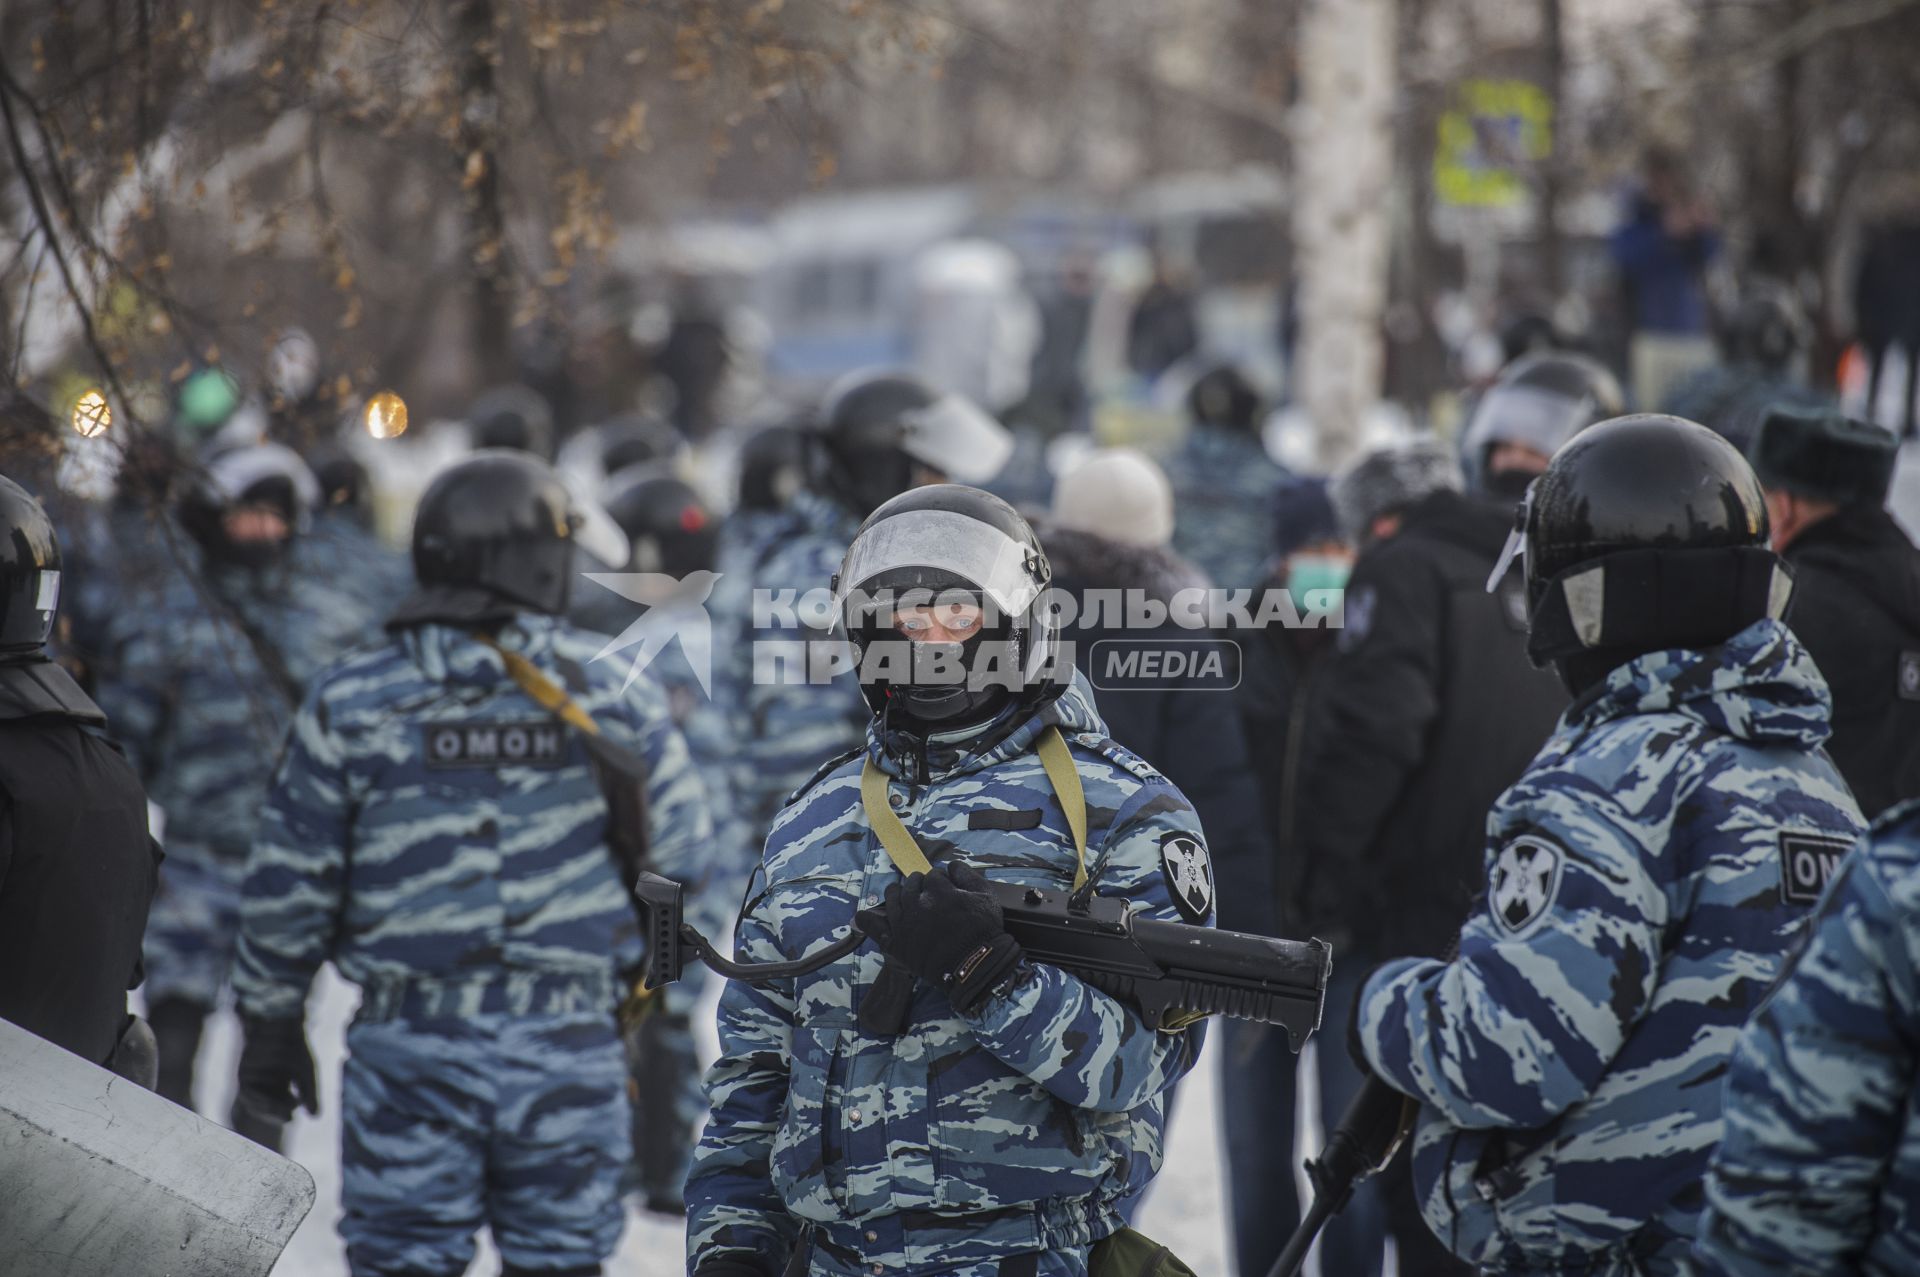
{"points": [[1590, 745]]}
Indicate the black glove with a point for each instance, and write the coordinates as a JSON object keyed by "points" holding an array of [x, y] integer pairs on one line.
{"points": [[276, 1068], [946, 928]]}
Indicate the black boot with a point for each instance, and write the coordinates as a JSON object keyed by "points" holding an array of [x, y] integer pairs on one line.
{"points": [[176, 1024]]}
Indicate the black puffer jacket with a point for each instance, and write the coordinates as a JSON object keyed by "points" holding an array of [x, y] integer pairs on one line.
{"points": [[1192, 737], [1428, 711], [1856, 605]]}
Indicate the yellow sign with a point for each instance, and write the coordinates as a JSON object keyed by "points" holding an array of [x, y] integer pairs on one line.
{"points": [[386, 415], [1487, 144]]}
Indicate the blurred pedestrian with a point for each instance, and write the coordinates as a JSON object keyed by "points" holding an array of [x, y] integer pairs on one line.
{"points": [[1282, 673], [1662, 251], [200, 695], [1163, 329], [1223, 480], [1763, 341], [443, 827], [77, 867], [1643, 881], [1428, 710], [1816, 1171], [1856, 590]]}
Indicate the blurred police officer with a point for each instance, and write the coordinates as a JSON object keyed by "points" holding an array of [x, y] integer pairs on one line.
{"points": [[1223, 480], [943, 1104], [77, 868], [1819, 1172], [1856, 581], [881, 433], [201, 690], [440, 831], [1426, 711], [1538, 402], [1644, 879]]}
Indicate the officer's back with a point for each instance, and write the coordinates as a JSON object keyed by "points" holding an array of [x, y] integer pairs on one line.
{"points": [[76, 865]]}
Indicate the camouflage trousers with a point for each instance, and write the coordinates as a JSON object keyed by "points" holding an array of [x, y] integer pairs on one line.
{"points": [[191, 929], [1060, 1262], [518, 1123]]}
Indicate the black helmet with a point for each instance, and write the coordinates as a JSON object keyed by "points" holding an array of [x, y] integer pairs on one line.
{"points": [[671, 528], [1645, 533], [256, 474], [876, 427], [1223, 397], [1765, 333], [948, 546], [773, 466], [29, 572], [512, 416], [1539, 402], [499, 528]]}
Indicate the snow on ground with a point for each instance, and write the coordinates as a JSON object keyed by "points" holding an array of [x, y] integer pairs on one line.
{"points": [[1186, 1209]]}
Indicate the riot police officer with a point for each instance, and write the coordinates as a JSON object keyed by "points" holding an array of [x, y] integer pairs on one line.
{"points": [[77, 869], [440, 829], [880, 434], [1538, 403], [1223, 480], [1643, 877], [942, 1104], [199, 692]]}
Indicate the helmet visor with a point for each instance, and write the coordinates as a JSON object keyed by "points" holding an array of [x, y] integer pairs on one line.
{"points": [[956, 438], [949, 544], [1529, 416]]}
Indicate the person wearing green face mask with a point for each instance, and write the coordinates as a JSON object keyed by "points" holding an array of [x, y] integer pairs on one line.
{"points": [[1281, 673]]}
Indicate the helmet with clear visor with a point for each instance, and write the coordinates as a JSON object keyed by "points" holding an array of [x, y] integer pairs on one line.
{"points": [[1539, 403], [942, 599]]}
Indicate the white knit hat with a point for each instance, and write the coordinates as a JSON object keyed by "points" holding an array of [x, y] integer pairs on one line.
{"points": [[1119, 494]]}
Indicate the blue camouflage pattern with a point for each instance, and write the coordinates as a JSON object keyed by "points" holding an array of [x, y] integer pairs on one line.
{"points": [[783, 730], [342, 549], [1819, 1172], [1567, 1063], [190, 699], [1223, 482], [1028, 1126], [443, 841]]}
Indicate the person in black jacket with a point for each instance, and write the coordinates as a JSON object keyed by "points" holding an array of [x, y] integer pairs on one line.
{"points": [[1428, 711], [77, 868], [1856, 601], [1283, 670]]}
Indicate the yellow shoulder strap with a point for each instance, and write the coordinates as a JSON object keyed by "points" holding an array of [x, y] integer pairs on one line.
{"points": [[548, 694], [905, 852]]}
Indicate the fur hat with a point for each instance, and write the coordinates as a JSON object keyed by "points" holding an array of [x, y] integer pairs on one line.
{"points": [[1119, 494], [1823, 456], [1390, 479]]}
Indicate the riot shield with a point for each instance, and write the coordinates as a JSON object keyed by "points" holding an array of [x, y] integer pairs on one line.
{"points": [[99, 1176]]}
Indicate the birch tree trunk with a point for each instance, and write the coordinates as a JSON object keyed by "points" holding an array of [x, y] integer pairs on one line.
{"points": [[1342, 164]]}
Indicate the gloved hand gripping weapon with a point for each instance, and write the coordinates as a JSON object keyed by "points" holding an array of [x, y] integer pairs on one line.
{"points": [[1171, 973]]}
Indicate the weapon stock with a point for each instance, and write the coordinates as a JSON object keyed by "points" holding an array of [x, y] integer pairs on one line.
{"points": [[1168, 971]]}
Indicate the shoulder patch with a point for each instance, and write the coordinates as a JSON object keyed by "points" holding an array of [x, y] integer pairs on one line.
{"points": [[1120, 756], [1359, 618], [827, 768], [1808, 861], [1526, 880], [1909, 676], [1189, 875]]}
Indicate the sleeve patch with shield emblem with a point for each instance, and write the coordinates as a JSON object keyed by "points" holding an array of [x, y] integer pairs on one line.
{"points": [[1526, 879], [1189, 875]]}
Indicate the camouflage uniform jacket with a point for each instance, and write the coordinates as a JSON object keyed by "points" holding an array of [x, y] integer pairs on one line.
{"points": [[1645, 881], [785, 729], [1223, 484], [442, 839], [1819, 1172], [200, 713], [1020, 1128]]}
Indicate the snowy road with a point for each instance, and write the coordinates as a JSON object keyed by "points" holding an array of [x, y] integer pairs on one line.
{"points": [[1185, 1211]]}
